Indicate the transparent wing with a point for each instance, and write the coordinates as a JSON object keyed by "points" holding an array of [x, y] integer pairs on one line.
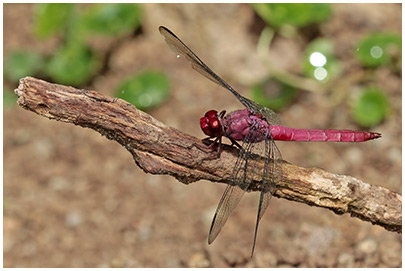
{"points": [[271, 171], [241, 178], [246, 167], [197, 64]]}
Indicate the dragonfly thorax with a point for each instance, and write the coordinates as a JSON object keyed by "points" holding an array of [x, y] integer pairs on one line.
{"points": [[246, 125], [236, 125]]}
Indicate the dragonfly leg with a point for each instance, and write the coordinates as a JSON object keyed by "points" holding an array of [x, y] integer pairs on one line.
{"points": [[189, 147], [222, 114], [198, 146], [212, 154], [235, 143]]}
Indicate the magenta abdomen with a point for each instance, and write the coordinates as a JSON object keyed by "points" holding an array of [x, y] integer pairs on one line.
{"points": [[289, 134]]}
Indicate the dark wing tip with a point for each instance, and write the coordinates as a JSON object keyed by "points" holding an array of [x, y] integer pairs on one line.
{"points": [[163, 30], [211, 236]]}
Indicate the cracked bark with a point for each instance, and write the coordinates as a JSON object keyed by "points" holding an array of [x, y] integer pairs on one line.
{"points": [[159, 149]]}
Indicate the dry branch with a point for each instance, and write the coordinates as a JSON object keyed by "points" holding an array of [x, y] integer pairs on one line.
{"points": [[159, 149]]}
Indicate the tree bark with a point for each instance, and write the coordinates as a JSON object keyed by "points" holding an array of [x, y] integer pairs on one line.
{"points": [[159, 149]]}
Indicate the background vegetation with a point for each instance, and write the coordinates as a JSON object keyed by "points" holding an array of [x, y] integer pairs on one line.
{"points": [[74, 199]]}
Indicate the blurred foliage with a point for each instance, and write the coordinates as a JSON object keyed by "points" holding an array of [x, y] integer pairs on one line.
{"points": [[273, 94], [112, 19], [379, 49], [51, 18], [74, 64], [297, 14], [9, 98], [145, 90], [371, 107], [22, 63], [320, 62]]}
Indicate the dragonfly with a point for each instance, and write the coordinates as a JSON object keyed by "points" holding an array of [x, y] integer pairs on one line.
{"points": [[257, 127]]}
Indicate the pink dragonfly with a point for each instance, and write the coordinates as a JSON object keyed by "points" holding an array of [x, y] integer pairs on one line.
{"points": [[257, 127]]}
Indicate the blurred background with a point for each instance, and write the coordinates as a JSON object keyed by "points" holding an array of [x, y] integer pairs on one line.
{"points": [[72, 198]]}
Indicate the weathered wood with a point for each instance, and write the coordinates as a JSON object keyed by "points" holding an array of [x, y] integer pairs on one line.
{"points": [[159, 149]]}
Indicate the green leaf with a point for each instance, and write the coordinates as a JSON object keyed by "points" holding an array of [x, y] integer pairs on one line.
{"points": [[379, 49], [112, 19], [22, 63], [145, 90], [73, 64], [50, 18], [273, 94], [371, 107], [320, 62], [297, 14], [9, 98]]}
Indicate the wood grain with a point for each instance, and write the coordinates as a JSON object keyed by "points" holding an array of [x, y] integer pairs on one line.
{"points": [[159, 149]]}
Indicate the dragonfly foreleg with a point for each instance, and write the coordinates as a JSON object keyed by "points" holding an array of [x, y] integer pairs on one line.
{"points": [[235, 143], [212, 153]]}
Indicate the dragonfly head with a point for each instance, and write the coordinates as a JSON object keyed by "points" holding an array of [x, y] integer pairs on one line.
{"points": [[211, 124]]}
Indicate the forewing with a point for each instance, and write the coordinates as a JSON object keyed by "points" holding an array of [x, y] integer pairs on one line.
{"points": [[241, 178], [182, 49], [271, 117], [197, 64], [227, 204]]}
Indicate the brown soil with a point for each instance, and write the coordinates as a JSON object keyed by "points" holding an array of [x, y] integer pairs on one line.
{"points": [[72, 198]]}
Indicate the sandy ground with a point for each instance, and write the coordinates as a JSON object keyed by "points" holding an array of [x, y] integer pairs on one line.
{"points": [[72, 198]]}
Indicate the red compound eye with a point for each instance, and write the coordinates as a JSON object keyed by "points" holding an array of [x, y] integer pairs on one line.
{"points": [[214, 123], [211, 114], [210, 124]]}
